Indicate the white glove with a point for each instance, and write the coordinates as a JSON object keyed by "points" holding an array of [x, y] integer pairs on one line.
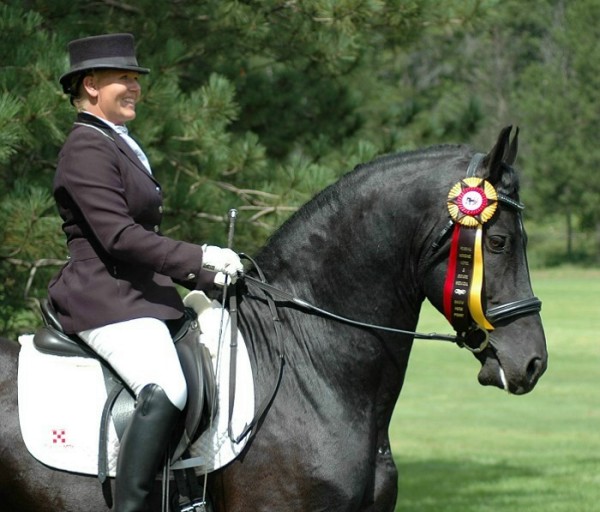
{"points": [[221, 279], [225, 262]]}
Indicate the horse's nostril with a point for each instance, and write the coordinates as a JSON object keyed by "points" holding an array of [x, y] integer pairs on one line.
{"points": [[534, 370]]}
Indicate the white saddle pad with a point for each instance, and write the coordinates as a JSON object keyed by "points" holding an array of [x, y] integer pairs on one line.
{"points": [[61, 401]]}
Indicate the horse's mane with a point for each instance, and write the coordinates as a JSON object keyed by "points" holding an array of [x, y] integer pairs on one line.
{"points": [[383, 163], [432, 156]]}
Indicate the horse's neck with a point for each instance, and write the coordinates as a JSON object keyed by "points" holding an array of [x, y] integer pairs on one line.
{"points": [[356, 253]]}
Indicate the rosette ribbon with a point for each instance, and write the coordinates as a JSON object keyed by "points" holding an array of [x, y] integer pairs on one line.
{"points": [[471, 203]]}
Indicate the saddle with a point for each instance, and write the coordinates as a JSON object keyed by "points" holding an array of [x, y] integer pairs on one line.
{"points": [[194, 357]]}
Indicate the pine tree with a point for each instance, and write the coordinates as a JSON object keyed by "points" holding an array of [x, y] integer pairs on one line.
{"points": [[255, 105], [558, 97]]}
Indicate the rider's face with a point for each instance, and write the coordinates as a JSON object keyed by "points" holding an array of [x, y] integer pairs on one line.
{"points": [[113, 94]]}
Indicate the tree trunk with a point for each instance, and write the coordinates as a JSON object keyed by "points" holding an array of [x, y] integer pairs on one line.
{"points": [[569, 219]]}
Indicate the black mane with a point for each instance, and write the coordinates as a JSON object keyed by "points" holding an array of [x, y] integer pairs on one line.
{"points": [[341, 191]]}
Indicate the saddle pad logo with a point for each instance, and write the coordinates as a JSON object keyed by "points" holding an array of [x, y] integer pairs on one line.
{"points": [[59, 437]]}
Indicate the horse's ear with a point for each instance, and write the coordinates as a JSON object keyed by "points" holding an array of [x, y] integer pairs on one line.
{"points": [[501, 152], [513, 149]]}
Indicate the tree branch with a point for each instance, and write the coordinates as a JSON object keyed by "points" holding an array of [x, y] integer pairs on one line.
{"points": [[33, 267]]}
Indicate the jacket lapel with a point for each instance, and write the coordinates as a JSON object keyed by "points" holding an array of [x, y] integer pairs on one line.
{"points": [[93, 121]]}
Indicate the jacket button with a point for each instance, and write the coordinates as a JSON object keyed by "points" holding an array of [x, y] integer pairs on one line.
{"points": [[191, 276], [156, 229]]}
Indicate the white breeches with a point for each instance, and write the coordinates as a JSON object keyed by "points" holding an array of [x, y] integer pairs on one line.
{"points": [[142, 352]]}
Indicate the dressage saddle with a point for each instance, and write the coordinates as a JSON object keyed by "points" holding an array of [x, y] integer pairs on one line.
{"points": [[194, 357]]}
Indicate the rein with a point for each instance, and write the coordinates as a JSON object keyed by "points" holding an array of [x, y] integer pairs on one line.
{"points": [[495, 314], [281, 295]]}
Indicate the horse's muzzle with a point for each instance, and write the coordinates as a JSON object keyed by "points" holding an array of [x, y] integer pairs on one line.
{"points": [[516, 380]]}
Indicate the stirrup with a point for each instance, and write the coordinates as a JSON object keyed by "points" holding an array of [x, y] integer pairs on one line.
{"points": [[197, 505]]}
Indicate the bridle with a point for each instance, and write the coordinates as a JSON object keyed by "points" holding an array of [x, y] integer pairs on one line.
{"points": [[499, 313]]}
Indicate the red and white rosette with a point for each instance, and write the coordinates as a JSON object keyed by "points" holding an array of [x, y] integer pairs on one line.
{"points": [[472, 202]]}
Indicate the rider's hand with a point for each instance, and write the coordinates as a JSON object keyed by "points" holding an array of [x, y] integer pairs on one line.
{"points": [[224, 262], [221, 279]]}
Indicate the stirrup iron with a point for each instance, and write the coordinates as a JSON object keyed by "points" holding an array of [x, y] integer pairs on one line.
{"points": [[197, 505]]}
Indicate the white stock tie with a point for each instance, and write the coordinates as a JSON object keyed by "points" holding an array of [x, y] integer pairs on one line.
{"points": [[123, 132]]}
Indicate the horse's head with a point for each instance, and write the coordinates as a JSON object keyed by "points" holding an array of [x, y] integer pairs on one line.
{"points": [[483, 287]]}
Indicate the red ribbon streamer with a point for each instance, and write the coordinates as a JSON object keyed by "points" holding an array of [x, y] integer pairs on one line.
{"points": [[450, 273]]}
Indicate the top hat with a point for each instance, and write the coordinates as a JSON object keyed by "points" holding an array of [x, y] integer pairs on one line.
{"points": [[109, 51]]}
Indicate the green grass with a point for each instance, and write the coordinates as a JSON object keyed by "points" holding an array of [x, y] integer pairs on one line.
{"points": [[462, 447]]}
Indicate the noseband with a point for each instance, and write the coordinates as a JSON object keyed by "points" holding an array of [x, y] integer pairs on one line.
{"points": [[462, 314]]}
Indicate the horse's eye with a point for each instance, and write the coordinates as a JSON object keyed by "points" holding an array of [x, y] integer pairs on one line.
{"points": [[497, 243]]}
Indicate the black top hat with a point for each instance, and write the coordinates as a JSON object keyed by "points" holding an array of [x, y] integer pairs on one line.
{"points": [[109, 51]]}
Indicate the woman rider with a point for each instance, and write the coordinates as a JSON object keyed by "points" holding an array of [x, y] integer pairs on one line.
{"points": [[117, 289]]}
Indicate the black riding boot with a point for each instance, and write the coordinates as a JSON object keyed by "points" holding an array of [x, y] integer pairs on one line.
{"points": [[143, 448]]}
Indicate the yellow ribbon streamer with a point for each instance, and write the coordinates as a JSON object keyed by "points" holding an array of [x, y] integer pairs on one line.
{"points": [[476, 287]]}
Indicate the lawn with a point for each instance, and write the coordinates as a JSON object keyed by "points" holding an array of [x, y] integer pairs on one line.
{"points": [[461, 447]]}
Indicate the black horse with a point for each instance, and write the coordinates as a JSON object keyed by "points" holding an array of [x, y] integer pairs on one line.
{"points": [[371, 248]]}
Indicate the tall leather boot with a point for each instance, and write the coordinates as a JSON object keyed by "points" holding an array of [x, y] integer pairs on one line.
{"points": [[143, 447]]}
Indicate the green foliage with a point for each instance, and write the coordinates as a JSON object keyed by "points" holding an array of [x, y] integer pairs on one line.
{"points": [[259, 105], [10, 132], [557, 97], [547, 249], [30, 243], [26, 225]]}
